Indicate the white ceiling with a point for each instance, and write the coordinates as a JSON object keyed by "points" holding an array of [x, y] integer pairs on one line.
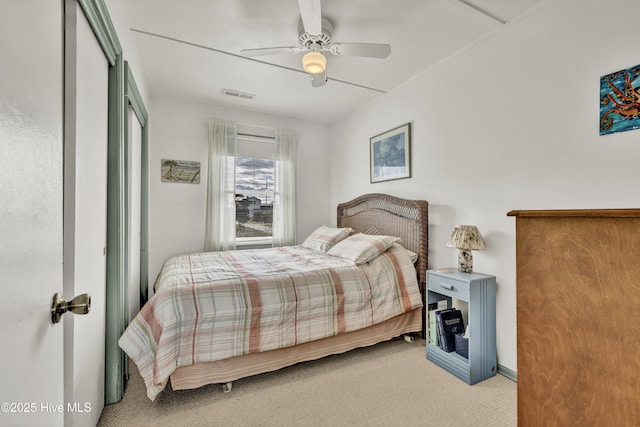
{"points": [[190, 49]]}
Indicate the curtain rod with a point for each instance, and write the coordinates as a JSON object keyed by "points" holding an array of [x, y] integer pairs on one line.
{"points": [[256, 136]]}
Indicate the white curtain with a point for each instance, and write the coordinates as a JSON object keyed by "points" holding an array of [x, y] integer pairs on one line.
{"points": [[220, 227], [284, 207]]}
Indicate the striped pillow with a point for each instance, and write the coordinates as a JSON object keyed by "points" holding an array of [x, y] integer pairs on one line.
{"points": [[325, 237], [361, 248]]}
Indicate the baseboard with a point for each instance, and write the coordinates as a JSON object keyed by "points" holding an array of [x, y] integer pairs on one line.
{"points": [[512, 375]]}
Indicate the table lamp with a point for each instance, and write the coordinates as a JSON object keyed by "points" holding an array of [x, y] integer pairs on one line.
{"points": [[466, 238]]}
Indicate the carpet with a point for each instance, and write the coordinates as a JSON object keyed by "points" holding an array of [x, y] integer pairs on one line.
{"points": [[388, 384]]}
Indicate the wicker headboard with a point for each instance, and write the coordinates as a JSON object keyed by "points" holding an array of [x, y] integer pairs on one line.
{"points": [[391, 216]]}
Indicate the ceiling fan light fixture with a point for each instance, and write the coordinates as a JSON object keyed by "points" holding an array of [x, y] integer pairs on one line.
{"points": [[314, 62]]}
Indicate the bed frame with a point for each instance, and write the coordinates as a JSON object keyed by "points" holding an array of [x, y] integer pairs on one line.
{"points": [[391, 216], [373, 213]]}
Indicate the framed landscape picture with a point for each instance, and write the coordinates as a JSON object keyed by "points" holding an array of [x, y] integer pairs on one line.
{"points": [[180, 171], [390, 154]]}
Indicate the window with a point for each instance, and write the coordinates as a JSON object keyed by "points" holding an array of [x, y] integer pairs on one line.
{"points": [[263, 162], [254, 197], [254, 175]]}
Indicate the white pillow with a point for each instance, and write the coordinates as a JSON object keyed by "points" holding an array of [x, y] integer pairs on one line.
{"points": [[324, 237], [361, 248], [412, 255]]}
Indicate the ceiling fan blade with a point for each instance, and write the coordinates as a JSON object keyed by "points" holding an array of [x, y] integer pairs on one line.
{"points": [[370, 50], [270, 50], [318, 80], [311, 16]]}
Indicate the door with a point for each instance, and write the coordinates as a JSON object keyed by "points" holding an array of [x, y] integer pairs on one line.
{"points": [[134, 139], [85, 213], [52, 226], [31, 212]]}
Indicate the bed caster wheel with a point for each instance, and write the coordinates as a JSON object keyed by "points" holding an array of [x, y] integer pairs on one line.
{"points": [[409, 338], [226, 388]]}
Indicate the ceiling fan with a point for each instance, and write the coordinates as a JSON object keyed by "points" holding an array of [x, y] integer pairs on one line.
{"points": [[314, 37]]}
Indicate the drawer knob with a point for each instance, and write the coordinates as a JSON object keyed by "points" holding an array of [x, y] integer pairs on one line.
{"points": [[445, 286]]}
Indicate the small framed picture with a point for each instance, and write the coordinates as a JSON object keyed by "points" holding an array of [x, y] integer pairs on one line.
{"points": [[180, 171], [390, 154]]}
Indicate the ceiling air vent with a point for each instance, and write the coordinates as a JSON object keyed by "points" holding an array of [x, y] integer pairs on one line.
{"points": [[238, 94]]}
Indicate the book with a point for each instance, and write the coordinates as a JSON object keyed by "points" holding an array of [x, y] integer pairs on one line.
{"points": [[452, 323], [433, 332], [431, 320], [441, 305], [439, 328]]}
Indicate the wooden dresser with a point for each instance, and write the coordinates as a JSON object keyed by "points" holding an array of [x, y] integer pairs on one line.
{"points": [[578, 317]]}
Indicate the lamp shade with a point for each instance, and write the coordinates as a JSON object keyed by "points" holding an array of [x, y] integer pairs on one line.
{"points": [[466, 237], [314, 62]]}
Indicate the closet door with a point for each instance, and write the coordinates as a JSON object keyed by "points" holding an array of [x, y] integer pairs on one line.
{"points": [[134, 139], [86, 133]]}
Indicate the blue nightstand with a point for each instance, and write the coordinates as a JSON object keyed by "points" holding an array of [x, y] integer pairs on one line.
{"points": [[479, 292]]}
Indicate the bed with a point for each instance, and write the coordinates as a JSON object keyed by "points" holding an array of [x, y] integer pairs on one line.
{"points": [[217, 317]]}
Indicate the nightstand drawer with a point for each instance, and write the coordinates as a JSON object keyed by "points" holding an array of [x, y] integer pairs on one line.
{"points": [[449, 287]]}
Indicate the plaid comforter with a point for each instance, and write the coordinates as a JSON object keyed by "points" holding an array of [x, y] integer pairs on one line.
{"points": [[215, 305]]}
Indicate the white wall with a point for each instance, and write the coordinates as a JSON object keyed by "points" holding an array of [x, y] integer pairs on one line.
{"points": [[511, 123], [179, 131], [118, 14]]}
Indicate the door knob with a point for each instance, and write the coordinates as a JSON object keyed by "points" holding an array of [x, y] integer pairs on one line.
{"points": [[79, 305]]}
